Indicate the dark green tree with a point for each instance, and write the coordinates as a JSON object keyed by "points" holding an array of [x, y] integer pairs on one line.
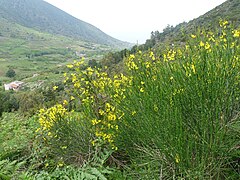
{"points": [[10, 73], [92, 63]]}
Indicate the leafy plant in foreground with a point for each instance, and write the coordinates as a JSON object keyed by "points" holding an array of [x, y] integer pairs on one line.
{"points": [[173, 115], [181, 107]]}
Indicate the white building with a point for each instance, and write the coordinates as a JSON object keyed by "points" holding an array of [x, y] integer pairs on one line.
{"points": [[15, 85]]}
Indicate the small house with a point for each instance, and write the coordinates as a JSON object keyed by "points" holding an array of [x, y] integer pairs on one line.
{"points": [[15, 85]]}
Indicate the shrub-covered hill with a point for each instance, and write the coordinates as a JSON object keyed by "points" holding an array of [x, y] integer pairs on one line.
{"points": [[42, 16], [229, 10]]}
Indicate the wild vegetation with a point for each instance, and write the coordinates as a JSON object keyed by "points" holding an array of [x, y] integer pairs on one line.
{"points": [[167, 109], [169, 114]]}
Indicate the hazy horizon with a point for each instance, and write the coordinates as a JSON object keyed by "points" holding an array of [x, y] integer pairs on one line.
{"points": [[133, 21]]}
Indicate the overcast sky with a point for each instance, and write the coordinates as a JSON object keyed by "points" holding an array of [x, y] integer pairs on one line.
{"points": [[133, 20]]}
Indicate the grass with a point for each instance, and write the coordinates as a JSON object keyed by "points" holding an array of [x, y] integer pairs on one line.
{"points": [[15, 135]]}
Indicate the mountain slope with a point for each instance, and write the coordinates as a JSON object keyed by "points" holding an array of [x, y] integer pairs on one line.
{"points": [[229, 10], [42, 16], [30, 52]]}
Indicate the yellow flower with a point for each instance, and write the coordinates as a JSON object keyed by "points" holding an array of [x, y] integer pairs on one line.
{"points": [[131, 56], [236, 33], [108, 107], [55, 87], [201, 44], [70, 66], [112, 116], [64, 147], [193, 36], [171, 55], [148, 64], [193, 68], [207, 46], [151, 54], [133, 66], [154, 78], [141, 89], [115, 148], [211, 39], [223, 23], [74, 77], [41, 111], [177, 158], [60, 164], [133, 113], [65, 102], [94, 122]]}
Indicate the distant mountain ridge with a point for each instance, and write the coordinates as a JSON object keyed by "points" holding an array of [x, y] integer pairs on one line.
{"points": [[43, 16]]}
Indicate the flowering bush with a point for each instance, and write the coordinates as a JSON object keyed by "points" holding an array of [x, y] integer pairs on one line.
{"points": [[176, 109], [97, 96], [182, 104]]}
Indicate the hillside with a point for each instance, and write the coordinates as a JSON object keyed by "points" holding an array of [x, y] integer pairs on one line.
{"points": [[229, 10], [42, 16], [30, 52]]}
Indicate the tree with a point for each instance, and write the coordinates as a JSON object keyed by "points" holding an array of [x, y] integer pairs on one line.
{"points": [[9, 101], [92, 63], [10, 73]]}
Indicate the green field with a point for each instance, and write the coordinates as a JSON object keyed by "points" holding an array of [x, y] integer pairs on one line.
{"points": [[30, 52]]}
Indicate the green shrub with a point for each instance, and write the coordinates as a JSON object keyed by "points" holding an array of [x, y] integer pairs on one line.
{"points": [[10, 170], [30, 102], [8, 102], [65, 134], [173, 115], [10, 73], [181, 109], [16, 133]]}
